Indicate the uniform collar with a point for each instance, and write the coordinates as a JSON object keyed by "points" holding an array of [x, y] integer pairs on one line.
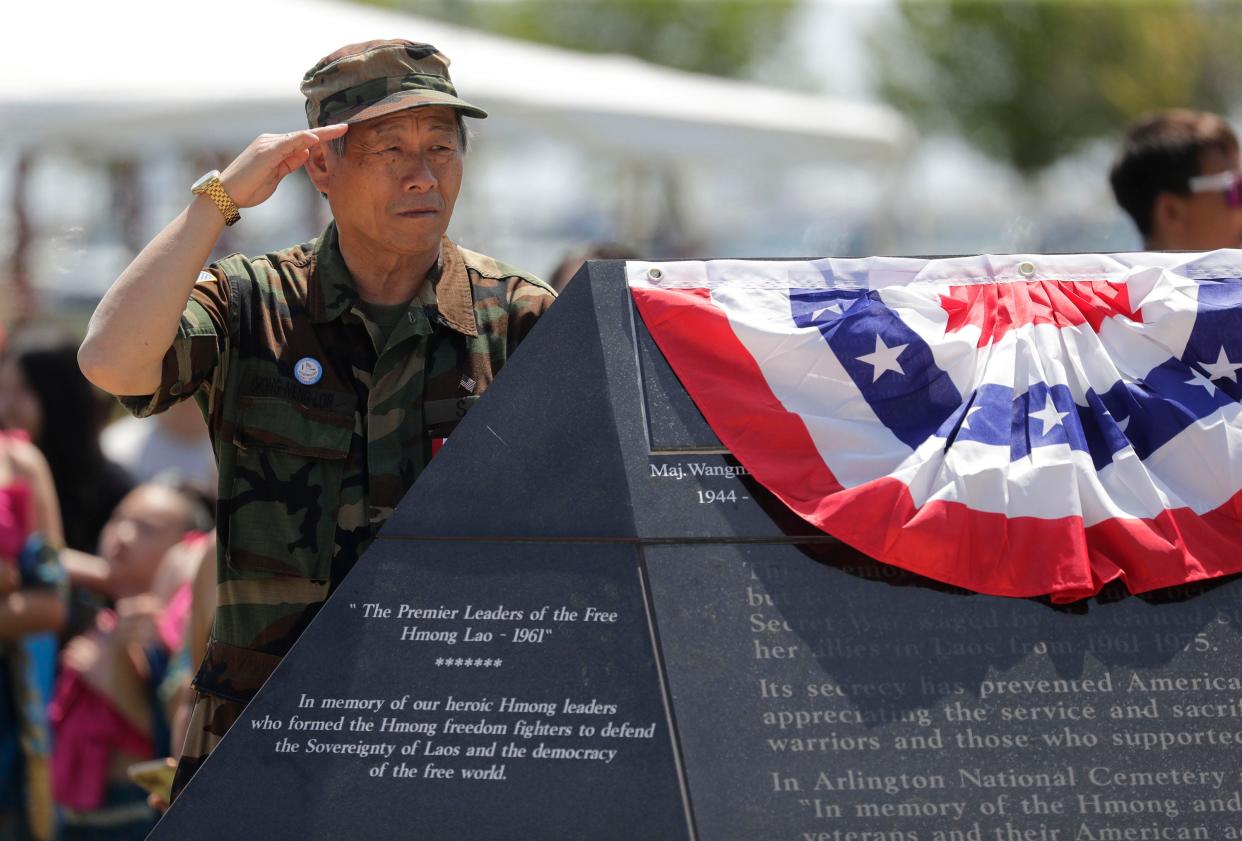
{"points": [[454, 292], [333, 291]]}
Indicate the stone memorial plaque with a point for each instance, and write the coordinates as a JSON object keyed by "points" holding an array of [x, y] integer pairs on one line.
{"points": [[451, 673], [587, 620], [912, 711]]}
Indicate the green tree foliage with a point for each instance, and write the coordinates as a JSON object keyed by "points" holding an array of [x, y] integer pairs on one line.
{"points": [[1030, 81], [724, 37]]}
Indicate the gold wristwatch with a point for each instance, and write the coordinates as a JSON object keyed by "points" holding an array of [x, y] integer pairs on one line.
{"points": [[211, 186]]}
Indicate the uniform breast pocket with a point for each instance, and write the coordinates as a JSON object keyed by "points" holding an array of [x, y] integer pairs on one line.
{"points": [[286, 489]]}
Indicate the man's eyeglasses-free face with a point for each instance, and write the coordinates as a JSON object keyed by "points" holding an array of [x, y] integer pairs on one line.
{"points": [[1229, 183]]}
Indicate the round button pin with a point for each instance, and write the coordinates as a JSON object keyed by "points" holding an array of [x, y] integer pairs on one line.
{"points": [[308, 370]]}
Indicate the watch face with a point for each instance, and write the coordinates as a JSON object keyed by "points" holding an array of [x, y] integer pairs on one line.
{"points": [[203, 181]]}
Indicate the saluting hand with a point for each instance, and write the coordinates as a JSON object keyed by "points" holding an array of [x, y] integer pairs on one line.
{"points": [[254, 174]]}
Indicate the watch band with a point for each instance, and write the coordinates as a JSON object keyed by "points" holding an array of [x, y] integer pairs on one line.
{"points": [[210, 186]]}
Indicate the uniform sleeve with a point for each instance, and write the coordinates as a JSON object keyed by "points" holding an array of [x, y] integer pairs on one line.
{"points": [[194, 359], [527, 302]]}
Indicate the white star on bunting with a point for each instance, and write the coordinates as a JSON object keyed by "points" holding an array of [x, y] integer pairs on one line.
{"points": [[1199, 381], [834, 308], [1048, 416], [969, 414], [884, 358], [1223, 368]]}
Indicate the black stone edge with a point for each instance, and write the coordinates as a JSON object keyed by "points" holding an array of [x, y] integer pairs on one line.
{"points": [[638, 541], [631, 328], [631, 331], [666, 697]]}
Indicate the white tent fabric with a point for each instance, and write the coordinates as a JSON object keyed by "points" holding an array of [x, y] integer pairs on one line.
{"points": [[124, 74]]}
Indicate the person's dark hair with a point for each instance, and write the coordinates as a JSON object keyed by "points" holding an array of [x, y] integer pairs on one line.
{"points": [[1160, 153], [200, 503], [88, 486]]}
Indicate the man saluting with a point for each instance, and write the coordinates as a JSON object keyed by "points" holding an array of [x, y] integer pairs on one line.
{"points": [[329, 371]]}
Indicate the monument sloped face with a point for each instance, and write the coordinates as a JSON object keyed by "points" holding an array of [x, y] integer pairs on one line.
{"points": [[586, 620]]}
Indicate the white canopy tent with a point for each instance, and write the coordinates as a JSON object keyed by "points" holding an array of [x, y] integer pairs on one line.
{"points": [[577, 146], [127, 73]]}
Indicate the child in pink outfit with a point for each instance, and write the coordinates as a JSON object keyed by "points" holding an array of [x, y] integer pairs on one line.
{"points": [[106, 713]]}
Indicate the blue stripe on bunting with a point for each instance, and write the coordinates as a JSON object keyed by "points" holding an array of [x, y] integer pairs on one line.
{"points": [[995, 417], [905, 388], [1218, 330], [1170, 398], [1044, 416], [919, 400]]}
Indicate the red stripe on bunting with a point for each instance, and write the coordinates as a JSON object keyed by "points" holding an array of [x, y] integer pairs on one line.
{"points": [[717, 371], [1176, 547], [1028, 556], [997, 308], [946, 541]]}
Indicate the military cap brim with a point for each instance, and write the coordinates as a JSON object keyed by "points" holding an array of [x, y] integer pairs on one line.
{"points": [[401, 100]]}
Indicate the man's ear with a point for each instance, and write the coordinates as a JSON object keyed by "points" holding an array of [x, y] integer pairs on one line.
{"points": [[317, 167], [1168, 215]]}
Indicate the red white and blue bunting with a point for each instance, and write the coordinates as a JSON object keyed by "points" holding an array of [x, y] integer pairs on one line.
{"points": [[1018, 425]]}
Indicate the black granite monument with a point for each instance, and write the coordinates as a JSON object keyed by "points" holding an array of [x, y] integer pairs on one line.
{"points": [[586, 621]]}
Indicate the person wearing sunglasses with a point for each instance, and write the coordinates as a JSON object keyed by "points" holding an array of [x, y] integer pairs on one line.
{"points": [[1178, 175]]}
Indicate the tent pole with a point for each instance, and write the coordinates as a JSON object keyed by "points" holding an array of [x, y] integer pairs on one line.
{"points": [[127, 202], [20, 303]]}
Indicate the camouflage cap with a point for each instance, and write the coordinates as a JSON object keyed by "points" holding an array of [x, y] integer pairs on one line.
{"points": [[362, 81]]}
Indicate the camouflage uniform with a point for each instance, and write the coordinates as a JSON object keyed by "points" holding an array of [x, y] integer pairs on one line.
{"points": [[309, 471]]}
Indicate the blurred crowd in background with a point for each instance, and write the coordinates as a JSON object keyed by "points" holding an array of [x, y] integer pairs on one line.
{"points": [[103, 533], [992, 129]]}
